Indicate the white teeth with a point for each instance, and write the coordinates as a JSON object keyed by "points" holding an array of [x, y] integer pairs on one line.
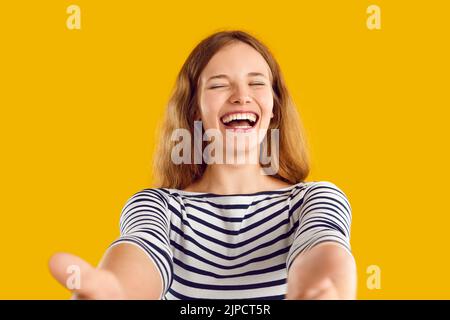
{"points": [[239, 116]]}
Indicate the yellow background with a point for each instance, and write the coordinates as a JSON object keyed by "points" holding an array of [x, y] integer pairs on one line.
{"points": [[79, 109]]}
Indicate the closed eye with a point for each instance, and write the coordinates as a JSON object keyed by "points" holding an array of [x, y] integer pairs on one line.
{"points": [[215, 87], [251, 84]]}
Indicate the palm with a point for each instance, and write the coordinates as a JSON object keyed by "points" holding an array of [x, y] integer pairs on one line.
{"points": [[92, 283]]}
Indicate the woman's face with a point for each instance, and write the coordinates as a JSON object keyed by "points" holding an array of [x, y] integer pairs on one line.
{"points": [[236, 92]]}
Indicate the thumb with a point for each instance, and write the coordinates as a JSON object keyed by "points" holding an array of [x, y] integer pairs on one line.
{"points": [[72, 272]]}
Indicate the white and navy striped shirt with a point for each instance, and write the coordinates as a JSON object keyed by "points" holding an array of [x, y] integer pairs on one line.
{"points": [[210, 246]]}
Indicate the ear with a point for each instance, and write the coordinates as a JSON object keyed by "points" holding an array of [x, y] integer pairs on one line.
{"points": [[271, 115]]}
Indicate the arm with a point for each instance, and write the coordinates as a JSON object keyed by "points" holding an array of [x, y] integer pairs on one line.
{"points": [[138, 265], [125, 272], [327, 271], [136, 273], [320, 264]]}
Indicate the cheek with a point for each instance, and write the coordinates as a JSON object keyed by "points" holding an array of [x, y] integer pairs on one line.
{"points": [[266, 103], [210, 106]]}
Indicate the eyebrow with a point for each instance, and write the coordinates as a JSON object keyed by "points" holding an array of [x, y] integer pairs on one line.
{"points": [[221, 76]]}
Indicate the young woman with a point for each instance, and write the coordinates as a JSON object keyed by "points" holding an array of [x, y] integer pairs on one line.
{"points": [[219, 229]]}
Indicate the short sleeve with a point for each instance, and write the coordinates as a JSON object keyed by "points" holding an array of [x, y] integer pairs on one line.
{"points": [[145, 222], [324, 215]]}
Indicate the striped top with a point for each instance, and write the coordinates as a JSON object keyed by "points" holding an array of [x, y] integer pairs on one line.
{"points": [[240, 246]]}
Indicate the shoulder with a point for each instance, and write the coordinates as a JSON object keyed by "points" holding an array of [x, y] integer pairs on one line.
{"points": [[147, 197], [327, 193], [323, 192], [304, 189], [324, 186]]}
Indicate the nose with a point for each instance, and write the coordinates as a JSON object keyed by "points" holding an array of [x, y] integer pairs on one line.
{"points": [[240, 96]]}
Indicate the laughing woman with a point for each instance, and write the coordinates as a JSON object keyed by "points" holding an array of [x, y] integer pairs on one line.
{"points": [[227, 229]]}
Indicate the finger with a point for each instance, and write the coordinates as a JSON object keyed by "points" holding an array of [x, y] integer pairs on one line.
{"points": [[73, 273]]}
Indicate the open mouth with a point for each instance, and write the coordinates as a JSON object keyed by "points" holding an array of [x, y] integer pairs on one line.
{"points": [[240, 120]]}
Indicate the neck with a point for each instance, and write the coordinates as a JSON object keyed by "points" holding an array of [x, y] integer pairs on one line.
{"points": [[236, 179]]}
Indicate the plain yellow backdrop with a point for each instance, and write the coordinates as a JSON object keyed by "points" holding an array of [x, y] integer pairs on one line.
{"points": [[79, 110]]}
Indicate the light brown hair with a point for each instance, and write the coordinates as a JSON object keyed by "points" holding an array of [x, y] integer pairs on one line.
{"points": [[183, 109]]}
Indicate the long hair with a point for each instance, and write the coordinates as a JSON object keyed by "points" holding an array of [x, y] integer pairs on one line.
{"points": [[183, 109]]}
